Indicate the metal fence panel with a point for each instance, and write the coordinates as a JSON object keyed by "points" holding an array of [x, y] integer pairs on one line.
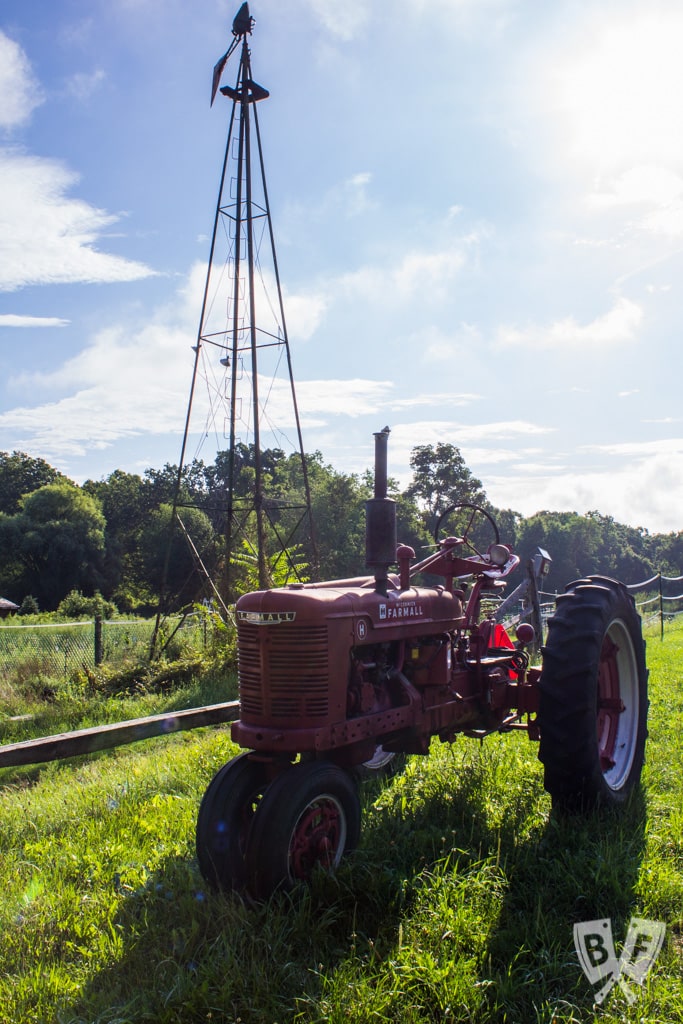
{"points": [[62, 648]]}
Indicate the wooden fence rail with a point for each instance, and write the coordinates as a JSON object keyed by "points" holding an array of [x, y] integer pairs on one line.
{"points": [[103, 737]]}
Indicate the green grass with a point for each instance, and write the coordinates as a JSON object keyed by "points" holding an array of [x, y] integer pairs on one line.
{"points": [[458, 905]]}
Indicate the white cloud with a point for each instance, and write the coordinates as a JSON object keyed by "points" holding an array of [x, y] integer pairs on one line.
{"points": [[128, 381], [406, 435], [351, 397], [479, 443], [667, 445], [657, 192], [342, 20], [616, 327], [666, 220], [645, 183], [418, 272], [346, 20], [121, 385], [356, 193], [503, 430], [304, 313], [439, 346], [432, 399], [344, 199], [15, 320], [131, 381], [48, 237], [646, 491], [467, 17], [83, 84], [20, 92]]}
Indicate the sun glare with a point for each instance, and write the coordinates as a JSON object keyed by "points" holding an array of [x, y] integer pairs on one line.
{"points": [[621, 88]]}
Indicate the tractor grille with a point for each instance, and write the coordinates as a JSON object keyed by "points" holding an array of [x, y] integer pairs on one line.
{"points": [[283, 673]]}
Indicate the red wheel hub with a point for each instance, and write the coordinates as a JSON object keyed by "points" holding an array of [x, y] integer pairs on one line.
{"points": [[610, 704], [316, 838]]}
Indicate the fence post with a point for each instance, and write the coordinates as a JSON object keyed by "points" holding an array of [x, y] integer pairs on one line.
{"points": [[661, 608], [99, 657]]}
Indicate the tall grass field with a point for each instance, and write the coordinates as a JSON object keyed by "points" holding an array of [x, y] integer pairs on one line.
{"points": [[458, 906]]}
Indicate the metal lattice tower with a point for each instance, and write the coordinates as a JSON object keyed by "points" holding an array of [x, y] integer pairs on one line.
{"points": [[242, 354]]}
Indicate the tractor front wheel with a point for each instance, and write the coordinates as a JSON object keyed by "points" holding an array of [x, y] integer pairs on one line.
{"points": [[224, 821], [593, 696], [309, 817]]}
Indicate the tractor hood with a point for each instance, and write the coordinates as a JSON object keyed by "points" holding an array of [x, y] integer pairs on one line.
{"points": [[426, 610]]}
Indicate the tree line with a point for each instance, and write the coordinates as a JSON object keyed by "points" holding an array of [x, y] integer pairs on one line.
{"points": [[113, 537]]}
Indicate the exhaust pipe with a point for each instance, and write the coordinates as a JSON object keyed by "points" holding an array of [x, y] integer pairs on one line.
{"points": [[380, 520]]}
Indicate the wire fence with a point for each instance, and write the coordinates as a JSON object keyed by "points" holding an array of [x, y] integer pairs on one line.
{"points": [[658, 604], [58, 650], [660, 601]]}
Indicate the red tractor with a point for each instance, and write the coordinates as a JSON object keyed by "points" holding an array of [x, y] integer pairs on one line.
{"points": [[339, 675]]}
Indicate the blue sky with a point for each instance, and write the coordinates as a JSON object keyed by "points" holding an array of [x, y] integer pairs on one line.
{"points": [[478, 209]]}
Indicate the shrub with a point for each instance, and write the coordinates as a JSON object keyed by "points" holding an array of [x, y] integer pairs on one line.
{"points": [[29, 606], [76, 606]]}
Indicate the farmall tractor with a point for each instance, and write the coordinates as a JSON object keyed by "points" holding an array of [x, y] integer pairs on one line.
{"points": [[339, 675]]}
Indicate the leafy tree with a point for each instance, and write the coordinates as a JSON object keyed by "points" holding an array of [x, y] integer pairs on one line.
{"points": [[509, 524], [21, 474], [126, 501], [441, 478], [166, 551], [585, 545], [162, 484], [623, 552], [338, 504], [667, 553], [57, 543]]}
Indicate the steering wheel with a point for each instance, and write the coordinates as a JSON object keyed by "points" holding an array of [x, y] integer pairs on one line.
{"points": [[472, 524]]}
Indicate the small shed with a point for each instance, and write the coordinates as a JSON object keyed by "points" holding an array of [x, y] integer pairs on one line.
{"points": [[7, 607]]}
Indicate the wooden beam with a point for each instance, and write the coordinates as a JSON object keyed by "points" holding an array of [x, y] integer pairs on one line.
{"points": [[102, 737]]}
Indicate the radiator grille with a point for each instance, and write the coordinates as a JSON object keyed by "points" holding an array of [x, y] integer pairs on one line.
{"points": [[283, 673]]}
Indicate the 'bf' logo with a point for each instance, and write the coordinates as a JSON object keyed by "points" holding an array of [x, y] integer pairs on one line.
{"points": [[595, 946]]}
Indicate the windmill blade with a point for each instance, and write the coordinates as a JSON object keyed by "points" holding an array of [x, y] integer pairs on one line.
{"points": [[218, 71]]}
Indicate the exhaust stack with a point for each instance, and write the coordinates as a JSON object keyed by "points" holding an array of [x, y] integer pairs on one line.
{"points": [[380, 519]]}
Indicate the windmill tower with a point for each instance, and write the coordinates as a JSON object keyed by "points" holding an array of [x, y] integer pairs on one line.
{"points": [[242, 393]]}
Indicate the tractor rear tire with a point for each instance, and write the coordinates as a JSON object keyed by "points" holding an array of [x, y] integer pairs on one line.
{"points": [[593, 697], [224, 821], [309, 818]]}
